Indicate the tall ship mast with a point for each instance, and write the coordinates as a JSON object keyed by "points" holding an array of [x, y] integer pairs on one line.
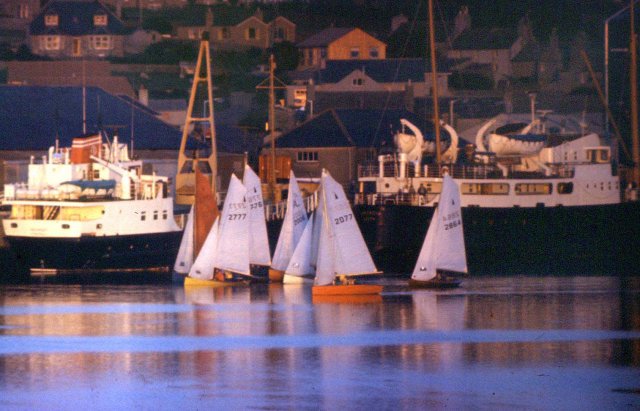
{"points": [[198, 145]]}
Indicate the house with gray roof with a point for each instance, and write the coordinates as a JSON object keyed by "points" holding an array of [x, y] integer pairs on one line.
{"points": [[34, 118], [339, 43], [71, 29], [493, 48], [388, 83], [231, 28], [342, 139]]}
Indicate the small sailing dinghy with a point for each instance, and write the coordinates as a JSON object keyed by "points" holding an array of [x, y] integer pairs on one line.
{"points": [[301, 268], [293, 225], [199, 222], [224, 257], [341, 253], [442, 258], [259, 253]]}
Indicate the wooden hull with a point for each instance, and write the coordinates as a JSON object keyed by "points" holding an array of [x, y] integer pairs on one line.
{"points": [[275, 276], [196, 282], [345, 289], [435, 283]]}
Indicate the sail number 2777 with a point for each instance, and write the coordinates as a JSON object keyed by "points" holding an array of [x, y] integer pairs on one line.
{"points": [[343, 218]]}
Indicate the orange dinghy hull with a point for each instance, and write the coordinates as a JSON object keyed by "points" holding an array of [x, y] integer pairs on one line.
{"points": [[275, 276], [347, 299], [346, 289]]}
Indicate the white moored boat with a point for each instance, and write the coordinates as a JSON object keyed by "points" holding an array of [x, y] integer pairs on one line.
{"points": [[91, 208]]}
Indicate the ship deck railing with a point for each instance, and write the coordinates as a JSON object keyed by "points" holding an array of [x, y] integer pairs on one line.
{"points": [[388, 198], [463, 171], [276, 211]]}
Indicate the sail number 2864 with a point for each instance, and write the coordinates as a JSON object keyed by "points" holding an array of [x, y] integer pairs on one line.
{"points": [[343, 218]]}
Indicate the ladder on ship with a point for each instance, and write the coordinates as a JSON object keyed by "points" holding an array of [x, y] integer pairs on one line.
{"points": [[198, 145]]}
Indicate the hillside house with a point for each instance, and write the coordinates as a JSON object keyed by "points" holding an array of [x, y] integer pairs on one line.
{"points": [[232, 29], [339, 44], [372, 84], [71, 29], [492, 48], [340, 140]]}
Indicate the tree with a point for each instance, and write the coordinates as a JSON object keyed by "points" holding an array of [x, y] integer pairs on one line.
{"points": [[158, 23], [286, 55]]}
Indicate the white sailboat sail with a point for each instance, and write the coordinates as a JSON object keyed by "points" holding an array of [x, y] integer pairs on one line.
{"points": [[205, 262], [301, 263], [259, 253], [443, 247], [233, 244], [184, 260], [342, 249], [293, 225]]}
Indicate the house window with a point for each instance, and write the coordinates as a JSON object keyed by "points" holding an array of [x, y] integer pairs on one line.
{"points": [[51, 20], [358, 81], [23, 12], [76, 46], [307, 156], [280, 33], [51, 42], [252, 33], [224, 33], [100, 20], [101, 42], [309, 58], [355, 53], [373, 53]]}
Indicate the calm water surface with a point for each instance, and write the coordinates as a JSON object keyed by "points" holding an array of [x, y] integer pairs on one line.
{"points": [[495, 343]]}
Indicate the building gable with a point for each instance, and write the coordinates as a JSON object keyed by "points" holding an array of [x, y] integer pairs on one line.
{"points": [[75, 19], [360, 128]]}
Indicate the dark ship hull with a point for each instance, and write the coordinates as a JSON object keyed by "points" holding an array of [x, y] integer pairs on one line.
{"points": [[127, 253], [584, 240]]}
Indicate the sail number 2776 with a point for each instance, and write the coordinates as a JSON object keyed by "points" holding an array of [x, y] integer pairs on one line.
{"points": [[343, 218]]}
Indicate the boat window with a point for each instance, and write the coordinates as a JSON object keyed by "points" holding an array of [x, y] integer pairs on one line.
{"points": [[533, 188], [485, 188], [565, 188], [81, 213]]}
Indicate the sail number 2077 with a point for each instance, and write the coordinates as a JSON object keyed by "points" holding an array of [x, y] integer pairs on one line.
{"points": [[343, 218]]}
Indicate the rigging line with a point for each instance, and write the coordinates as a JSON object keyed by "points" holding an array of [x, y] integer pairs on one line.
{"points": [[395, 76], [447, 32]]}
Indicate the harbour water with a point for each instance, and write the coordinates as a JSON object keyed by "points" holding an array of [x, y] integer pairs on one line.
{"points": [[495, 343]]}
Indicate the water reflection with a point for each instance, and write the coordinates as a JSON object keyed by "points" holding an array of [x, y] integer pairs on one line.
{"points": [[274, 344]]}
